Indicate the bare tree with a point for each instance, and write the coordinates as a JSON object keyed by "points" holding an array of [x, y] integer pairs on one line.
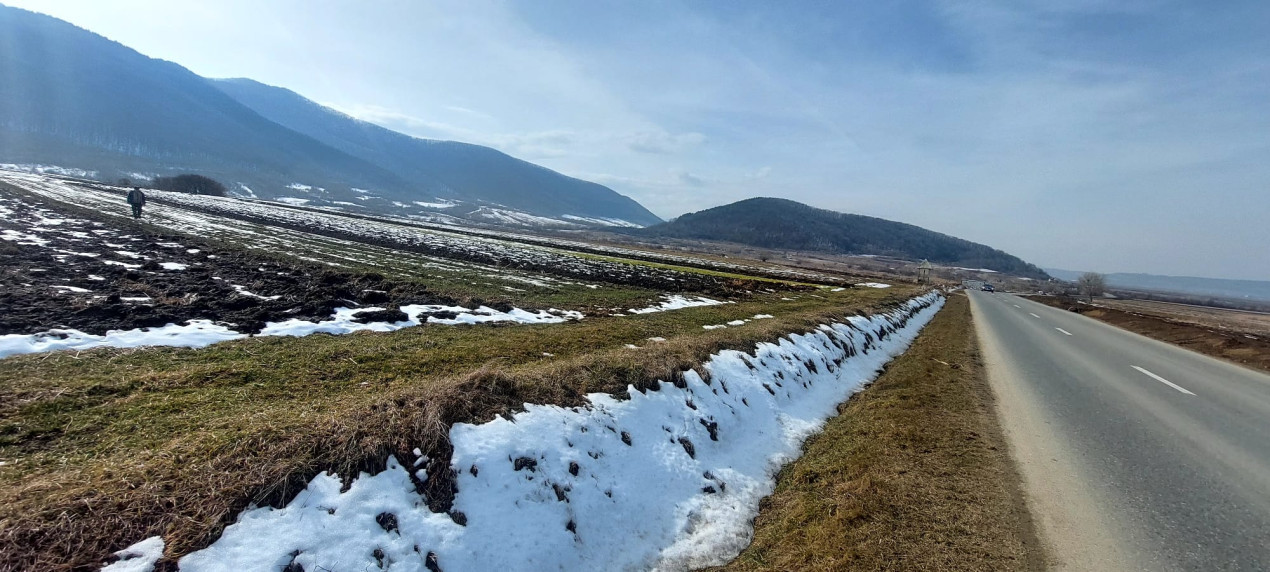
{"points": [[1092, 284]]}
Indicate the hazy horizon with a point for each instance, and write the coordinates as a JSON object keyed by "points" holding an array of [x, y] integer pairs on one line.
{"points": [[1107, 136]]}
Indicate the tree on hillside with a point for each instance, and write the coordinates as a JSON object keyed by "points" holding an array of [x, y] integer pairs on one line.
{"points": [[1092, 284], [192, 184]]}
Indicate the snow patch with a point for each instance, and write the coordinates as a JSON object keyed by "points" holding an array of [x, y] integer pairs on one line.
{"points": [[440, 204], [602, 221], [242, 290], [343, 321], [668, 479], [49, 170], [140, 557], [873, 285], [676, 302], [296, 201], [195, 334]]}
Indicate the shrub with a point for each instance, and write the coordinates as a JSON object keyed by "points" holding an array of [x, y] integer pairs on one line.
{"points": [[192, 184]]}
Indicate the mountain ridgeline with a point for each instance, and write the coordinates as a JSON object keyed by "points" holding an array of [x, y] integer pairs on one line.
{"points": [[74, 99], [455, 170], [788, 225]]}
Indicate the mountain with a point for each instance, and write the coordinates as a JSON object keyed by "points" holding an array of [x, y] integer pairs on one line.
{"points": [[789, 225], [1220, 287], [465, 171], [74, 99]]}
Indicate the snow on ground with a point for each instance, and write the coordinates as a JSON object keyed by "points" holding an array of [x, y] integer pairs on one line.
{"points": [[139, 557], [440, 204], [180, 217], [505, 216], [873, 285], [343, 320], [220, 217], [200, 333], [603, 221], [173, 265], [439, 231], [48, 170], [195, 334], [293, 201], [676, 302], [669, 479]]}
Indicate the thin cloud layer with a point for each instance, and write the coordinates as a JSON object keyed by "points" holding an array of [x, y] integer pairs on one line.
{"points": [[1116, 136]]}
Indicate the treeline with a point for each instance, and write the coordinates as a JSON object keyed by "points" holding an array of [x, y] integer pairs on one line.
{"points": [[787, 225], [192, 184]]}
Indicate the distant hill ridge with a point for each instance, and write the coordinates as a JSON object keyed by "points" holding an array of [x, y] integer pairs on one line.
{"points": [[789, 225], [1221, 287], [74, 99]]}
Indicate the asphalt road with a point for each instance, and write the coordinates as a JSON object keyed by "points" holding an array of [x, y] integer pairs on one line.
{"points": [[1135, 454]]}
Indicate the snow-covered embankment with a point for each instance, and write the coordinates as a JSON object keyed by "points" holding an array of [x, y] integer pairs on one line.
{"points": [[667, 479]]}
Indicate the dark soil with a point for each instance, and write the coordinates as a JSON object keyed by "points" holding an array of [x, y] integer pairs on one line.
{"points": [[650, 277], [1250, 351], [35, 292]]}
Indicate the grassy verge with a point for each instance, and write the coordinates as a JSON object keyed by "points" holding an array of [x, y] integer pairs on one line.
{"points": [[1237, 347], [107, 447], [913, 475]]}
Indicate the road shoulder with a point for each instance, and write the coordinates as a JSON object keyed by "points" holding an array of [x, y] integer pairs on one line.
{"points": [[913, 475]]}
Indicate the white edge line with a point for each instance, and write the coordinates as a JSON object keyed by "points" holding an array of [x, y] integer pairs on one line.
{"points": [[1164, 381], [1035, 316], [1017, 306], [1064, 331]]}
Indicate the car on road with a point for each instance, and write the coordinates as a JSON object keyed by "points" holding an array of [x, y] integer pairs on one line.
{"points": [[988, 288]]}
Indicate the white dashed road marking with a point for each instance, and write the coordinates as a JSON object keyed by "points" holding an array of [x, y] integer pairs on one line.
{"points": [[1164, 381]]}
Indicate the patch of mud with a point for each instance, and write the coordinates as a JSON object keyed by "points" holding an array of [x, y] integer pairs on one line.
{"points": [[61, 271]]}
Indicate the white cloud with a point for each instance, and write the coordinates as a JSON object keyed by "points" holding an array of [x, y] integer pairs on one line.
{"points": [[988, 120]]}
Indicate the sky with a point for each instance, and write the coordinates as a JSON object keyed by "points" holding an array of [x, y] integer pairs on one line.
{"points": [[1114, 136]]}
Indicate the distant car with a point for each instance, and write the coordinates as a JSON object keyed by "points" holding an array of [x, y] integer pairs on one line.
{"points": [[988, 288]]}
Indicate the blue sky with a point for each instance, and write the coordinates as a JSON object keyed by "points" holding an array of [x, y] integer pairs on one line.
{"points": [[1102, 135]]}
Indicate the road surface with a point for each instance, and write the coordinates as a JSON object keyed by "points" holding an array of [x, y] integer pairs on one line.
{"points": [[1135, 454]]}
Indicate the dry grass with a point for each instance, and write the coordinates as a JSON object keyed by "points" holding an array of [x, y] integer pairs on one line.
{"points": [[108, 447], [913, 475]]}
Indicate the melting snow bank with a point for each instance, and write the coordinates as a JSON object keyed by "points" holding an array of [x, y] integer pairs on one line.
{"points": [[195, 334], [676, 302], [200, 333], [669, 479]]}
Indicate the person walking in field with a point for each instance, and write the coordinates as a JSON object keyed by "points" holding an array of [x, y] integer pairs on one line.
{"points": [[137, 199]]}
